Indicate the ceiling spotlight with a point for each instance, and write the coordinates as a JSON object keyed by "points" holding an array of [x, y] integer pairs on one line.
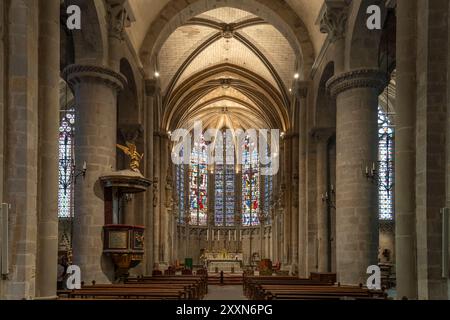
{"points": [[296, 76], [156, 74]]}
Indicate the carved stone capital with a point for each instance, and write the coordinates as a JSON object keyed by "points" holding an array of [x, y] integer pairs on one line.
{"points": [[333, 19], [360, 78], [120, 16], [76, 74]]}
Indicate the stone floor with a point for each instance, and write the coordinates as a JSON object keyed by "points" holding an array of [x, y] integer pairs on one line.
{"points": [[225, 293]]}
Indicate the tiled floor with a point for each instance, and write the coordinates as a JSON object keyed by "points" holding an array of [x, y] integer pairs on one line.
{"points": [[225, 293]]}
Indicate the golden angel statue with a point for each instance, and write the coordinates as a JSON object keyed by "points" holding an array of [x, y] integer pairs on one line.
{"points": [[135, 157]]}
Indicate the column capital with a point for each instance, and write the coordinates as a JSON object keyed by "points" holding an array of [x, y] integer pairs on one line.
{"points": [[151, 87], [333, 19], [120, 16], [76, 74], [360, 78]]}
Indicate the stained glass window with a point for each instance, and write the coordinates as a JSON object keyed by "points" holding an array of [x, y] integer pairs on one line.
{"points": [[198, 193], [386, 166], [250, 183], [66, 161], [224, 180]]}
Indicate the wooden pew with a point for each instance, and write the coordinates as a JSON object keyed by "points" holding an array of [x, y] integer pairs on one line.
{"points": [[152, 288], [281, 288]]}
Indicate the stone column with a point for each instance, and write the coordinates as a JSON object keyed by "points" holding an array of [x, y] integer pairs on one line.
{"points": [[294, 198], [49, 48], [322, 135], [302, 92], [157, 199], [21, 145], [2, 101], [431, 126], [150, 95], [95, 91], [356, 95], [405, 154], [167, 210]]}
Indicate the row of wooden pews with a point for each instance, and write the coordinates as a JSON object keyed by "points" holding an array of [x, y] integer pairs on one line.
{"points": [[147, 288], [292, 288]]}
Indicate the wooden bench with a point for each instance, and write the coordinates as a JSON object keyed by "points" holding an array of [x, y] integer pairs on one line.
{"points": [[149, 288], [290, 288]]}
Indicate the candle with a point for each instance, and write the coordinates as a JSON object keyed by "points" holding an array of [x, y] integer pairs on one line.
{"points": [[218, 235], [235, 235], [213, 235], [367, 170], [85, 166], [229, 235], [207, 234], [373, 167], [332, 188]]}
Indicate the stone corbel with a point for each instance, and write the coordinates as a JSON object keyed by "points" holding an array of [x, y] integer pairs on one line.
{"points": [[131, 133], [120, 16], [322, 134], [333, 19], [151, 87], [301, 89]]}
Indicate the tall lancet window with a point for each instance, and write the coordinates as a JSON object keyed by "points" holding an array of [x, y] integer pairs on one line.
{"points": [[224, 180], [66, 162], [386, 166], [198, 186], [250, 183]]}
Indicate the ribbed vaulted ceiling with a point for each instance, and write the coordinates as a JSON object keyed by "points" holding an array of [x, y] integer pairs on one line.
{"points": [[227, 68]]}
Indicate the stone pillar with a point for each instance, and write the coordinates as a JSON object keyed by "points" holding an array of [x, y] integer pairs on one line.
{"points": [[294, 198], [168, 200], [49, 48], [95, 91], [405, 106], [21, 171], [322, 135], [150, 95], [356, 95], [157, 199], [431, 104], [302, 93]]}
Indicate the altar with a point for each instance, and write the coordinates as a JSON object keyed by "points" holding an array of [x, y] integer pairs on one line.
{"points": [[223, 261]]}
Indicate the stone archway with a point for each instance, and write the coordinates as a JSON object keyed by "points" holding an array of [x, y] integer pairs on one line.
{"points": [[281, 16]]}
